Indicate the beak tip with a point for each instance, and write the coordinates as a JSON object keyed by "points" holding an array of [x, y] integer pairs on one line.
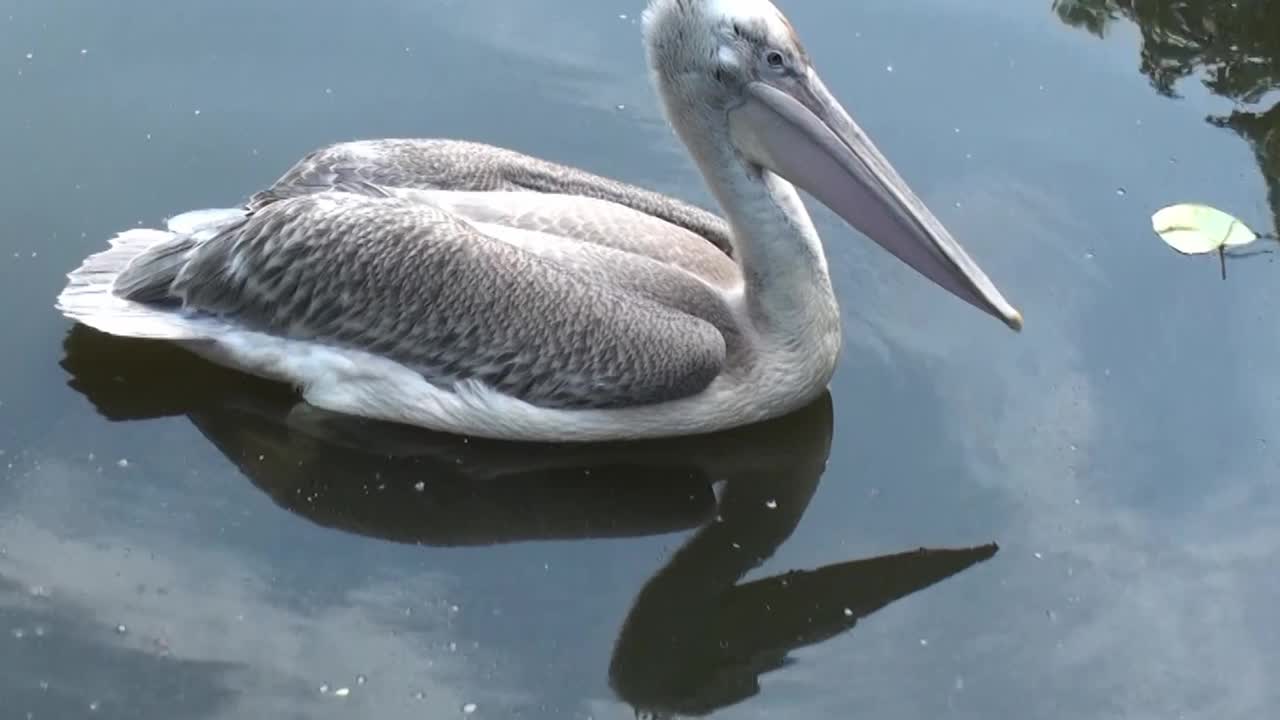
{"points": [[1014, 320]]}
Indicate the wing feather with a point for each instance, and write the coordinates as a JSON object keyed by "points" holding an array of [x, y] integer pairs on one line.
{"points": [[589, 220], [412, 282], [444, 164]]}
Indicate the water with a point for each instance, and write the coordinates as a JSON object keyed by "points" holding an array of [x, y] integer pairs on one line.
{"points": [[1119, 451]]}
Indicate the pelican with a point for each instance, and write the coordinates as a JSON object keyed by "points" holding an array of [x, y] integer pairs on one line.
{"points": [[475, 290]]}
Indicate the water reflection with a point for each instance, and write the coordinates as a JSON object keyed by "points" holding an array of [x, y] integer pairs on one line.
{"points": [[48, 634], [695, 640], [1233, 47]]}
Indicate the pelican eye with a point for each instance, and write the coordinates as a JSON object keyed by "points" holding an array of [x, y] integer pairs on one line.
{"points": [[775, 59]]}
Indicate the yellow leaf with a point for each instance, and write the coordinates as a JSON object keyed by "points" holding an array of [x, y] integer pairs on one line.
{"points": [[1192, 228]]}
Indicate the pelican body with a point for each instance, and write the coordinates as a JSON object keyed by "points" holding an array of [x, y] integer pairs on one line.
{"points": [[476, 290]]}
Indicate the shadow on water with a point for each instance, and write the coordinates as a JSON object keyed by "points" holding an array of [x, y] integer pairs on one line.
{"points": [[1234, 47], [695, 640]]}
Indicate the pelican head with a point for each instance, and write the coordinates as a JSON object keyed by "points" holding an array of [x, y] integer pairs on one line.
{"points": [[735, 72]]}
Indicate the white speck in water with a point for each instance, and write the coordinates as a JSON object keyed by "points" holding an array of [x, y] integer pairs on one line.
{"points": [[93, 706], [19, 633], [419, 695], [197, 111], [924, 643], [959, 683], [453, 647], [848, 612], [328, 91], [361, 679], [454, 608], [44, 684], [121, 629], [736, 546], [84, 51], [889, 68], [469, 708], [122, 462], [1089, 255], [1121, 192], [31, 56], [771, 504], [324, 688], [1051, 615], [1038, 556], [39, 630], [342, 692], [620, 107], [419, 486]]}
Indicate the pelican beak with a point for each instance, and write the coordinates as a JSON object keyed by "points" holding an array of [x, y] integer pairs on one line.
{"points": [[804, 135]]}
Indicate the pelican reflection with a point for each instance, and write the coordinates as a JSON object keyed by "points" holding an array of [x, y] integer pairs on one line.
{"points": [[696, 638]]}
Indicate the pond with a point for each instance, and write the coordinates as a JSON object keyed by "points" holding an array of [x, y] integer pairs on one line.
{"points": [[1081, 520]]}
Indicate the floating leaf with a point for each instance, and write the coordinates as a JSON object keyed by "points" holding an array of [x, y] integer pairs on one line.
{"points": [[1192, 228]]}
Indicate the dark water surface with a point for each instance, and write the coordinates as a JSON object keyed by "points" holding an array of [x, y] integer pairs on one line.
{"points": [[179, 542]]}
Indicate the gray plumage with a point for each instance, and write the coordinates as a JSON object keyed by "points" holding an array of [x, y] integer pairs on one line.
{"points": [[588, 221], [415, 284], [446, 164]]}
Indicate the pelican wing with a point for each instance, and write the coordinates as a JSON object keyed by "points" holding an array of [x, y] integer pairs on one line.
{"points": [[442, 164], [409, 281], [589, 220]]}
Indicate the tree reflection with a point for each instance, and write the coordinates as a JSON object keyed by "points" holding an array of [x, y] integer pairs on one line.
{"points": [[1232, 46]]}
